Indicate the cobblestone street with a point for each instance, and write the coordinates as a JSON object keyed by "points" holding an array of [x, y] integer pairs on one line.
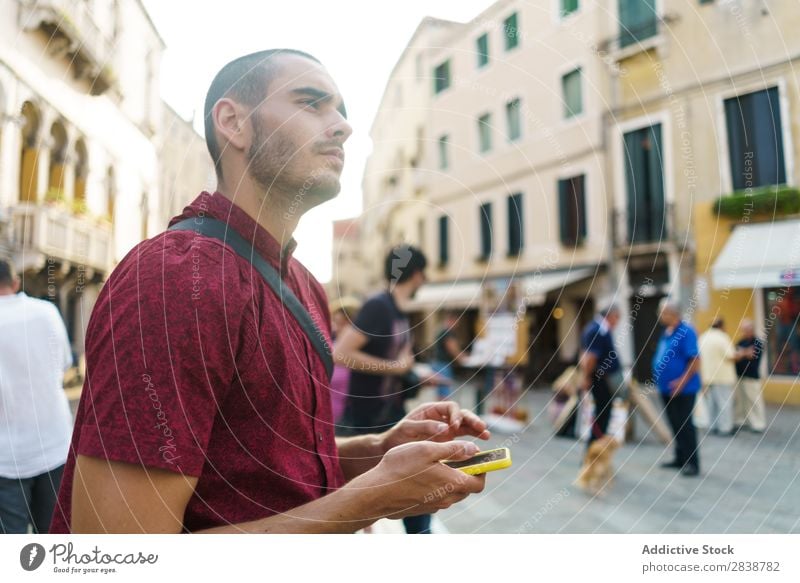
{"points": [[748, 484]]}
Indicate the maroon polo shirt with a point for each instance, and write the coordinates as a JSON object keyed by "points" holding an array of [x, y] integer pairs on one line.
{"points": [[194, 366]]}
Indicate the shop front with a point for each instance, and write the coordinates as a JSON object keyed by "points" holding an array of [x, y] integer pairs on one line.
{"points": [[763, 260]]}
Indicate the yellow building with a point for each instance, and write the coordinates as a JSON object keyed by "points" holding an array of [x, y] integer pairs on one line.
{"points": [[705, 104]]}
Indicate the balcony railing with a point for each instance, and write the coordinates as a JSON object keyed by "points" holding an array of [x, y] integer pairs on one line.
{"points": [[56, 232], [637, 37], [629, 231], [72, 31]]}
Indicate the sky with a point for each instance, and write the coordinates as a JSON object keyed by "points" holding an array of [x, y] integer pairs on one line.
{"points": [[359, 42]]}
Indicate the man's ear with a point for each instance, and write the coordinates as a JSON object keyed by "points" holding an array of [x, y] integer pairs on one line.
{"points": [[232, 124]]}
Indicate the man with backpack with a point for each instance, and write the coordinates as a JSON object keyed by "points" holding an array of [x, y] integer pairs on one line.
{"points": [[206, 405]]}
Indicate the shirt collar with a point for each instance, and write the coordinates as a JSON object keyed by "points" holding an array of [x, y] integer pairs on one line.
{"points": [[223, 209], [602, 324]]}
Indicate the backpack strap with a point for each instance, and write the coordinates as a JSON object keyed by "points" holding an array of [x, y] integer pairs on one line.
{"points": [[222, 231]]}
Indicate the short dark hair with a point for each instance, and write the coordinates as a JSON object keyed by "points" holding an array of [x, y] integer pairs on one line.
{"points": [[718, 323], [8, 274], [402, 262], [246, 80]]}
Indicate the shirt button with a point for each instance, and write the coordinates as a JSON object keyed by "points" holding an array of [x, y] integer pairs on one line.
{"points": [[319, 435]]}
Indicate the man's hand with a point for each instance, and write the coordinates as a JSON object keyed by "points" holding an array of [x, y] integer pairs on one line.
{"points": [[442, 421], [676, 387], [410, 479]]}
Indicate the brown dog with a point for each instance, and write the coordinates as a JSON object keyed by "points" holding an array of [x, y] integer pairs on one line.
{"points": [[597, 470]]}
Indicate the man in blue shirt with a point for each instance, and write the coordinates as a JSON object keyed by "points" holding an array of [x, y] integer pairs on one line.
{"points": [[600, 367], [675, 371]]}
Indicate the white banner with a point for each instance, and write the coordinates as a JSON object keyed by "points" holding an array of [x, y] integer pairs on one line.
{"points": [[355, 558]]}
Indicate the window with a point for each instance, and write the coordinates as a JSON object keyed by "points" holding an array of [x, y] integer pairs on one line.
{"points": [[637, 21], [482, 50], [513, 119], [755, 139], [572, 210], [568, 7], [485, 132], [644, 184], [444, 152], [782, 342], [573, 94], [444, 251], [515, 225], [485, 219], [441, 77], [511, 31]]}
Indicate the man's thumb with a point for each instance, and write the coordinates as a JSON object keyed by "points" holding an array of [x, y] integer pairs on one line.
{"points": [[453, 450]]}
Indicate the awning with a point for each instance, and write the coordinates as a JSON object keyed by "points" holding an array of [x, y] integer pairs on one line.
{"points": [[453, 295], [536, 286], [759, 255]]}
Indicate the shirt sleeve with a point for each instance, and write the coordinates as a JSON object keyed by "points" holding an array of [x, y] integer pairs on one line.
{"points": [[373, 319], [689, 344], [594, 341], [161, 355]]}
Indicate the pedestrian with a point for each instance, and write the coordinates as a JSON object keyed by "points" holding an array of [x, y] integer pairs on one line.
{"points": [[600, 368], [343, 311], [207, 403], [749, 402], [378, 349], [447, 352], [718, 374], [676, 366], [35, 418]]}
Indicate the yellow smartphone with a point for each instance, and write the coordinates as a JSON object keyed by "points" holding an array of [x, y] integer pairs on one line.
{"points": [[484, 461]]}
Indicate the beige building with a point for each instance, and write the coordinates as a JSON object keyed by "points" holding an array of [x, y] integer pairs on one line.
{"points": [[395, 178], [82, 130], [705, 108], [185, 167], [350, 273], [575, 152], [511, 191]]}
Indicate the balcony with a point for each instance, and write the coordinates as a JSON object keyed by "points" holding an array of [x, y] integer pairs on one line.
{"points": [[639, 37], [643, 234], [53, 231], [72, 33]]}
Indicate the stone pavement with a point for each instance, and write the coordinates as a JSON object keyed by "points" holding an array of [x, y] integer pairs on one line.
{"points": [[749, 483]]}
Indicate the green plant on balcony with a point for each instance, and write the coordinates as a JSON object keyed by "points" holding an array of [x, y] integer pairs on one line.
{"points": [[770, 200], [79, 207], [54, 196]]}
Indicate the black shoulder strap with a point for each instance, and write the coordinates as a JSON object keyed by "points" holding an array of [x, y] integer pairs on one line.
{"points": [[219, 230]]}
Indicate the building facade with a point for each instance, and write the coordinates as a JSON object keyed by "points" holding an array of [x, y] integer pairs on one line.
{"points": [[576, 152], [82, 130]]}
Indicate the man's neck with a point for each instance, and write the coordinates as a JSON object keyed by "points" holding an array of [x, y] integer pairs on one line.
{"points": [[273, 211], [7, 291], [401, 293]]}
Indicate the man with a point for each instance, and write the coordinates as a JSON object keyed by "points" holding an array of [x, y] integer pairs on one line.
{"points": [[378, 350], [675, 370], [719, 376], [35, 419], [749, 402], [600, 368], [447, 352], [206, 405]]}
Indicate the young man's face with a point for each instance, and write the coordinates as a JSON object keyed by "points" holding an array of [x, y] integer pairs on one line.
{"points": [[298, 134]]}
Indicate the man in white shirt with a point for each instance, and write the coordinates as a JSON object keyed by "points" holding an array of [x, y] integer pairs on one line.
{"points": [[35, 418], [718, 372]]}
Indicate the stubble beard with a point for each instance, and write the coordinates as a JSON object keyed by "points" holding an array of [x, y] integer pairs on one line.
{"points": [[272, 161]]}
